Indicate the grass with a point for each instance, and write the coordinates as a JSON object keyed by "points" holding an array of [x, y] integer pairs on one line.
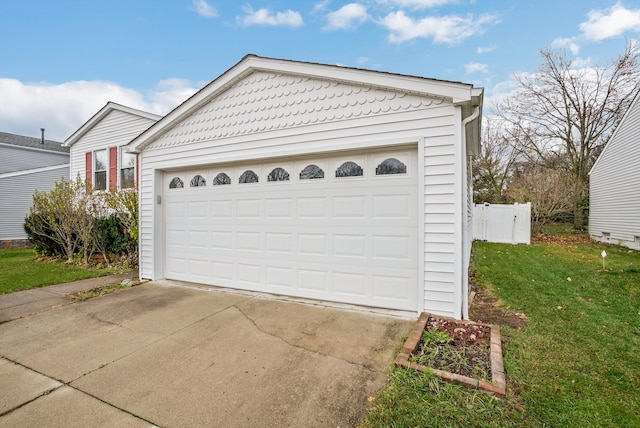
{"points": [[19, 270], [575, 364]]}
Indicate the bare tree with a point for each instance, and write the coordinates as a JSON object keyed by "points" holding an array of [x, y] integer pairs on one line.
{"points": [[549, 191], [567, 111], [493, 166]]}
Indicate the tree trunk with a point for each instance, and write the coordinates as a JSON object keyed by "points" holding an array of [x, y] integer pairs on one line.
{"points": [[578, 209]]}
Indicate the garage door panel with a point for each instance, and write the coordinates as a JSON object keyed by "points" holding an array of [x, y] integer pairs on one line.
{"points": [[391, 287], [198, 240], [313, 280], [222, 209], [351, 207], [351, 239], [395, 247], [222, 240], [279, 243], [199, 269], [249, 273], [391, 206], [352, 284], [280, 277], [248, 208], [313, 207], [278, 208], [222, 273], [352, 245]]}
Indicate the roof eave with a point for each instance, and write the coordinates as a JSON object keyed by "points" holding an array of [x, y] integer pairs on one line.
{"points": [[454, 91]]}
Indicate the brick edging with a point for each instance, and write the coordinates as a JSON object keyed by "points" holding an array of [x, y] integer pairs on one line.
{"points": [[497, 387]]}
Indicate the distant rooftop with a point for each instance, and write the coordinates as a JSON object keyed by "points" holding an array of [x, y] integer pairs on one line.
{"points": [[32, 142]]}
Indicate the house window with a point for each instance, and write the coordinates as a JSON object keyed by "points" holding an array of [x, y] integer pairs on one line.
{"points": [[127, 170], [100, 170]]}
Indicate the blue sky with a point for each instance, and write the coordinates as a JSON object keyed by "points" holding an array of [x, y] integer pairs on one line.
{"points": [[61, 61]]}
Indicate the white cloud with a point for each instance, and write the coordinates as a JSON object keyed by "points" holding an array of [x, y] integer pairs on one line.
{"points": [[320, 6], [611, 22], [567, 43], [62, 108], [204, 9], [418, 4], [348, 16], [443, 29], [476, 67], [485, 49], [579, 63], [288, 18]]}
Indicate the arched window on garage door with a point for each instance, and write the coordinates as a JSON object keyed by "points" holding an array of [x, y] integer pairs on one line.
{"points": [[311, 172], [198, 181], [176, 183], [349, 169]]}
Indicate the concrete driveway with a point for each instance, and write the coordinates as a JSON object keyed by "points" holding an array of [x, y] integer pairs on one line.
{"points": [[171, 354]]}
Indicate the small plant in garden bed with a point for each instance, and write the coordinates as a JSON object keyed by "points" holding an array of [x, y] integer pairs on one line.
{"points": [[460, 348]]}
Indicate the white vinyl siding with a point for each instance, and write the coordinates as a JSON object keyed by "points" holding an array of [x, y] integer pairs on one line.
{"points": [[16, 194], [615, 185], [117, 128], [323, 119]]}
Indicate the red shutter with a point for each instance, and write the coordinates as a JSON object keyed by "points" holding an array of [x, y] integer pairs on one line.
{"points": [[137, 169], [88, 169], [113, 168]]}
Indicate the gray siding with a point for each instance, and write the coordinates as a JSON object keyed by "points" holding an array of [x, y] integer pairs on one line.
{"points": [[16, 194], [14, 158], [615, 185]]}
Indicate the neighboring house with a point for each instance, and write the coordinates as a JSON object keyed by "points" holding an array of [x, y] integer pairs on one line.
{"points": [[614, 196], [27, 164], [315, 181], [96, 147]]}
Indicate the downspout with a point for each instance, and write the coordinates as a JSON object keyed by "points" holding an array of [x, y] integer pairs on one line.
{"points": [[465, 275]]}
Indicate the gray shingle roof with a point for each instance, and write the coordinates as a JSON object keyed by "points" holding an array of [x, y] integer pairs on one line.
{"points": [[32, 142]]}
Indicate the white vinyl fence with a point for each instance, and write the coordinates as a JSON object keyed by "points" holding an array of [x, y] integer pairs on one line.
{"points": [[510, 224]]}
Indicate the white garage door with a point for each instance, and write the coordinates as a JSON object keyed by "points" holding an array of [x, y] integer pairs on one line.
{"points": [[340, 228]]}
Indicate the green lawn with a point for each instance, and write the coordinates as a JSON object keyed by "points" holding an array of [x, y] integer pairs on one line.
{"points": [[19, 270], [575, 364]]}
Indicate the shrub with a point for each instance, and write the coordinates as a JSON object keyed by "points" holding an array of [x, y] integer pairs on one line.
{"points": [[42, 243], [113, 235]]}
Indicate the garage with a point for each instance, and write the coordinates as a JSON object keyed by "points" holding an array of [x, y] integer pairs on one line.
{"points": [[314, 181], [336, 228]]}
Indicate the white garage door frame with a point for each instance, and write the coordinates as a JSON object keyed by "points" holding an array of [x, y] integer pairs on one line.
{"points": [[350, 239]]}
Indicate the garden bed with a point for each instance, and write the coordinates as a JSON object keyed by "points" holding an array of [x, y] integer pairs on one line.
{"points": [[462, 352]]}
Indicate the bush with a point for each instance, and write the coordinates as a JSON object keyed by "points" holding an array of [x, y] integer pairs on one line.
{"points": [[42, 243], [67, 222], [113, 236]]}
